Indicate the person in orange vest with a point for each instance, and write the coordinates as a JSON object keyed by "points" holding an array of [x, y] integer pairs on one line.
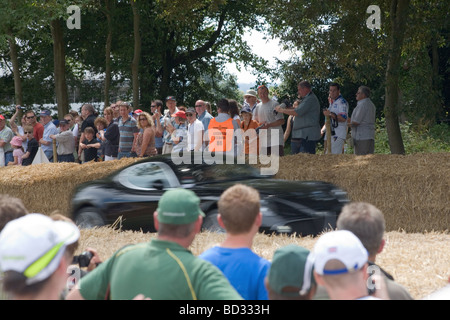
{"points": [[251, 141], [220, 141]]}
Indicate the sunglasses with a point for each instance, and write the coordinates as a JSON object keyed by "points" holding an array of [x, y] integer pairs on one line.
{"points": [[26, 132], [142, 119], [189, 114], [152, 106], [30, 117]]}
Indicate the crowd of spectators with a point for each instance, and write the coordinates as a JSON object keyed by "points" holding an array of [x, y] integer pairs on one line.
{"points": [[258, 125]]}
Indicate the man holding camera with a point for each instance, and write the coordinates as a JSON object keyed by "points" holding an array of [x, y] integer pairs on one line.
{"points": [[306, 128]]}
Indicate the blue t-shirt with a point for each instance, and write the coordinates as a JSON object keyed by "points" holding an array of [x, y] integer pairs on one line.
{"points": [[243, 268]]}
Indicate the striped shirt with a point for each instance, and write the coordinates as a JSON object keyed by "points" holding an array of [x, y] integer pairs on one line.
{"points": [[127, 130]]}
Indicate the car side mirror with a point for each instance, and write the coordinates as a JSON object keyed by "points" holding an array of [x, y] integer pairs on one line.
{"points": [[158, 184]]}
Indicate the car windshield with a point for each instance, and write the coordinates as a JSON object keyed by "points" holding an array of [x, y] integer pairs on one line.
{"points": [[216, 172]]}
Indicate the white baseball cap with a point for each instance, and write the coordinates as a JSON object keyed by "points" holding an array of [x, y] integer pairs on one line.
{"points": [[34, 245], [341, 245]]}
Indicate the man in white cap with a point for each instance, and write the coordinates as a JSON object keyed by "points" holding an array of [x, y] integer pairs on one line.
{"points": [[340, 265], [34, 256], [251, 100]]}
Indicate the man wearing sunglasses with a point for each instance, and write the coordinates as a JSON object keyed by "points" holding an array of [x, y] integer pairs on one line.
{"points": [[38, 128]]}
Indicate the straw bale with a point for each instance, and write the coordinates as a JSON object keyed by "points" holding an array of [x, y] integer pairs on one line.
{"points": [[419, 262], [412, 190], [47, 187]]}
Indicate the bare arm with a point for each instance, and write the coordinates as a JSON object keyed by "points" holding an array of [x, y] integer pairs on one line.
{"points": [[287, 133], [147, 135]]}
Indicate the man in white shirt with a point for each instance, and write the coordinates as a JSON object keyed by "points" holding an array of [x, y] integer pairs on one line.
{"points": [[338, 112], [363, 123], [271, 121], [195, 131]]}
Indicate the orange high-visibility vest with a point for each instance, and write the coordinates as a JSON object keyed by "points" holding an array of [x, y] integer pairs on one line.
{"points": [[217, 133]]}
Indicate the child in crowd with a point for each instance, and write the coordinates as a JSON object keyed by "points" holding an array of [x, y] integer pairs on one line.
{"points": [[101, 124], [32, 148], [90, 145], [16, 143]]}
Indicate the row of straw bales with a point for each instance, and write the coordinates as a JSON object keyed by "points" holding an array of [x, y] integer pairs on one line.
{"points": [[411, 190]]}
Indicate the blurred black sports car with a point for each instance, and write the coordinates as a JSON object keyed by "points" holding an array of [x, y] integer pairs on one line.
{"points": [[301, 207]]}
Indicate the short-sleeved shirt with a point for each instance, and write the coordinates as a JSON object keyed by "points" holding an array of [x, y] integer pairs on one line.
{"points": [[65, 143], [340, 108], [195, 134], [244, 269], [265, 112], [364, 114], [181, 133], [49, 129], [33, 147], [160, 270], [6, 135], [167, 136], [90, 153], [38, 131], [19, 154], [205, 118], [127, 130], [307, 121]]}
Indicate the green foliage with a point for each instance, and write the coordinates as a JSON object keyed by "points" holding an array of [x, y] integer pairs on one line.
{"points": [[435, 139]]}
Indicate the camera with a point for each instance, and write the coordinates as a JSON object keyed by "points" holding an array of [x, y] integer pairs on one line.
{"points": [[285, 105], [22, 108], [83, 259], [257, 129]]}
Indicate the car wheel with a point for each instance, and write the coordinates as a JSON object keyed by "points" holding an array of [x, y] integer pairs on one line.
{"points": [[210, 222], [88, 218]]}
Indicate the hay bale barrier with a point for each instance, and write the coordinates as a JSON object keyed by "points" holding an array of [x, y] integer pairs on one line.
{"points": [[412, 191]]}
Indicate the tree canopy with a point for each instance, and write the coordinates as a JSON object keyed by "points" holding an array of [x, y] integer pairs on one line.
{"points": [[144, 50]]}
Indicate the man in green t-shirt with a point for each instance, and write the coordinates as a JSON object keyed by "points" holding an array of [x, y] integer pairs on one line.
{"points": [[162, 269]]}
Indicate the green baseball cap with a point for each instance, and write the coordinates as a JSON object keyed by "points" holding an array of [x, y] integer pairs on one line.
{"points": [[291, 267], [179, 206]]}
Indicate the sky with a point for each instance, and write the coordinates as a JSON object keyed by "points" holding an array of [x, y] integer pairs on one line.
{"points": [[267, 49]]}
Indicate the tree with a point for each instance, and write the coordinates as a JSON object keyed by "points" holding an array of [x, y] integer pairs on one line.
{"points": [[336, 44], [398, 17], [137, 53]]}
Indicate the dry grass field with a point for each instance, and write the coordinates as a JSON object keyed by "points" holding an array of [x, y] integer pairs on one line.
{"points": [[412, 191], [420, 262]]}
